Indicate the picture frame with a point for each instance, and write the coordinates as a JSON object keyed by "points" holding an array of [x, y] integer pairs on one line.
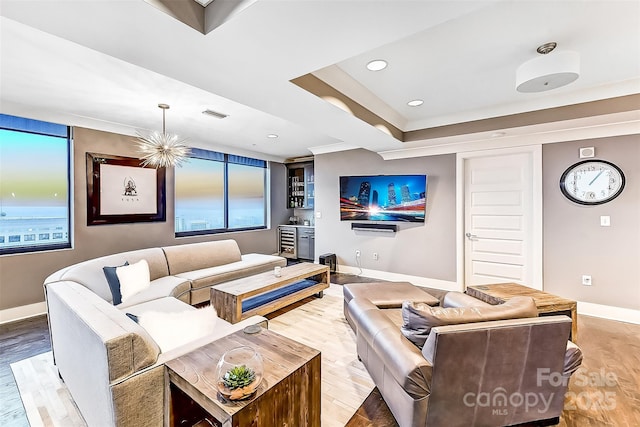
{"points": [[121, 190]]}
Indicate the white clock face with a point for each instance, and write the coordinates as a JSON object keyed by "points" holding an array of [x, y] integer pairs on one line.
{"points": [[592, 182]]}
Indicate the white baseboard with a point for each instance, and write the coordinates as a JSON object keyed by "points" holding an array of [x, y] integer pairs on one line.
{"points": [[22, 312], [445, 285], [609, 312]]}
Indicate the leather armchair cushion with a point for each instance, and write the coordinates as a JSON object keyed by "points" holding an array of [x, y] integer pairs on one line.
{"points": [[419, 318], [388, 294]]}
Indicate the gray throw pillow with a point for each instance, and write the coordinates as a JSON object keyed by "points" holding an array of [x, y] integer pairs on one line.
{"points": [[419, 318]]}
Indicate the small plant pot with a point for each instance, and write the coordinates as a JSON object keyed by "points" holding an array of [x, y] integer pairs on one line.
{"points": [[239, 373]]}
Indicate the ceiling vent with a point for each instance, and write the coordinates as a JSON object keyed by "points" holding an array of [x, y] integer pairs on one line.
{"points": [[215, 114]]}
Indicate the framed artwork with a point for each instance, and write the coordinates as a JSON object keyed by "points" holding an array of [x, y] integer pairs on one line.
{"points": [[120, 190]]}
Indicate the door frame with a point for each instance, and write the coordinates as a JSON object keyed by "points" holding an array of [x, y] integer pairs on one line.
{"points": [[536, 245]]}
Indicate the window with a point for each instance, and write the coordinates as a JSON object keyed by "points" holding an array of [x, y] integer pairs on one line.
{"points": [[217, 192], [34, 185]]}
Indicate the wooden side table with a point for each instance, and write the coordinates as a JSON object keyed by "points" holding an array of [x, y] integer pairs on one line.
{"points": [[288, 395], [546, 303]]}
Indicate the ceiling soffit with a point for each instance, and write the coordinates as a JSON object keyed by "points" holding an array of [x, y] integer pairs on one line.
{"points": [[314, 85], [201, 15]]}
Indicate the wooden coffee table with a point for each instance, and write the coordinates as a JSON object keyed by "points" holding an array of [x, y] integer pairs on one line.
{"points": [[289, 393], [227, 298], [546, 303]]}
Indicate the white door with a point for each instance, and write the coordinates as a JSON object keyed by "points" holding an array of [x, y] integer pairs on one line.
{"points": [[502, 219]]}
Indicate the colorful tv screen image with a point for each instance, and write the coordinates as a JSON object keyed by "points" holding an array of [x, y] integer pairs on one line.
{"points": [[383, 198]]}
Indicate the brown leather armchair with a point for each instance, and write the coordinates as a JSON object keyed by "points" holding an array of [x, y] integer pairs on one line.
{"points": [[487, 373]]}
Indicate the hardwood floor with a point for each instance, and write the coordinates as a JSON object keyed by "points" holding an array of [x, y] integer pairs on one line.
{"points": [[607, 393], [18, 340]]}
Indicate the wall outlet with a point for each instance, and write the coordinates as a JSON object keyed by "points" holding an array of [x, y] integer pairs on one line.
{"points": [[357, 254], [375, 256], [586, 280]]}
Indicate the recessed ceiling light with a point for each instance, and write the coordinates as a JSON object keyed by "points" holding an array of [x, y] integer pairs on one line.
{"points": [[415, 103], [498, 134], [377, 65], [272, 136]]}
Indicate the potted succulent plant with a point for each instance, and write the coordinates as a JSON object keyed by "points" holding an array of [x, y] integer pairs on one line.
{"points": [[239, 373]]}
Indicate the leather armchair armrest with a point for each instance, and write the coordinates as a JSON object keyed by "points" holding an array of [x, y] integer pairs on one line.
{"points": [[458, 299], [403, 361], [399, 357]]}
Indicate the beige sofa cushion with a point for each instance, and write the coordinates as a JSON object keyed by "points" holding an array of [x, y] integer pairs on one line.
{"points": [[168, 286], [90, 273], [196, 256], [250, 264], [419, 318]]}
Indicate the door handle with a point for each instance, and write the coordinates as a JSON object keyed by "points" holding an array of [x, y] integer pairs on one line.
{"points": [[471, 237]]}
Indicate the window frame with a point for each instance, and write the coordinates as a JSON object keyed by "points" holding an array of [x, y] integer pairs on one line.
{"points": [[227, 159], [68, 243]]}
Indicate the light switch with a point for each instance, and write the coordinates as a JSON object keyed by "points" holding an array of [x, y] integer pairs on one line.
{"points": [[605, 221]]}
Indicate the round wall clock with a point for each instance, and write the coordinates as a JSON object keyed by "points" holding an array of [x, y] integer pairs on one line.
{"points": [[592, 182]]}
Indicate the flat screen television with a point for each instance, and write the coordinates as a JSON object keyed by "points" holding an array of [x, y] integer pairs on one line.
{"points": [[383, 198]]}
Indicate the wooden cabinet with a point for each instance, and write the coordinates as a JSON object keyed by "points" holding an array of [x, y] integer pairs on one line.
{"points": [[301, 186]]}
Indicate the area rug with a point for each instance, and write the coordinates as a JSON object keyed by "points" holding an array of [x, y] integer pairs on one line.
{"points": [[319, 323]]}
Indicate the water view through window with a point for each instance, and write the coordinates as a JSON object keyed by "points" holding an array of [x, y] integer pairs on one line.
{"points": [[34, 185], [217, 192]]}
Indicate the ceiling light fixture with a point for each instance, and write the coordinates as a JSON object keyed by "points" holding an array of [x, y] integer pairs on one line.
{"points": [[548, 72], [415, 103], [377, 65], [161, 150], [272, 136]]}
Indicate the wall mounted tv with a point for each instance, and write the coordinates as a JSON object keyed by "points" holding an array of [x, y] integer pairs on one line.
{"points": [[383, 198]]}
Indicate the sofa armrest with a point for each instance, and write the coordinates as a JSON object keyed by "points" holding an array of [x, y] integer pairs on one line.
{"points": [[95, 346], [78, 315]]}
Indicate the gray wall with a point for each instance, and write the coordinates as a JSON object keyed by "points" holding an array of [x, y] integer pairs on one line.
{"points": [[426, 250], [21, 276], [576, 244]]}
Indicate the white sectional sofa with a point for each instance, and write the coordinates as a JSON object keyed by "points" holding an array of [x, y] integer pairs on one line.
{"points": [[113, 366]]}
